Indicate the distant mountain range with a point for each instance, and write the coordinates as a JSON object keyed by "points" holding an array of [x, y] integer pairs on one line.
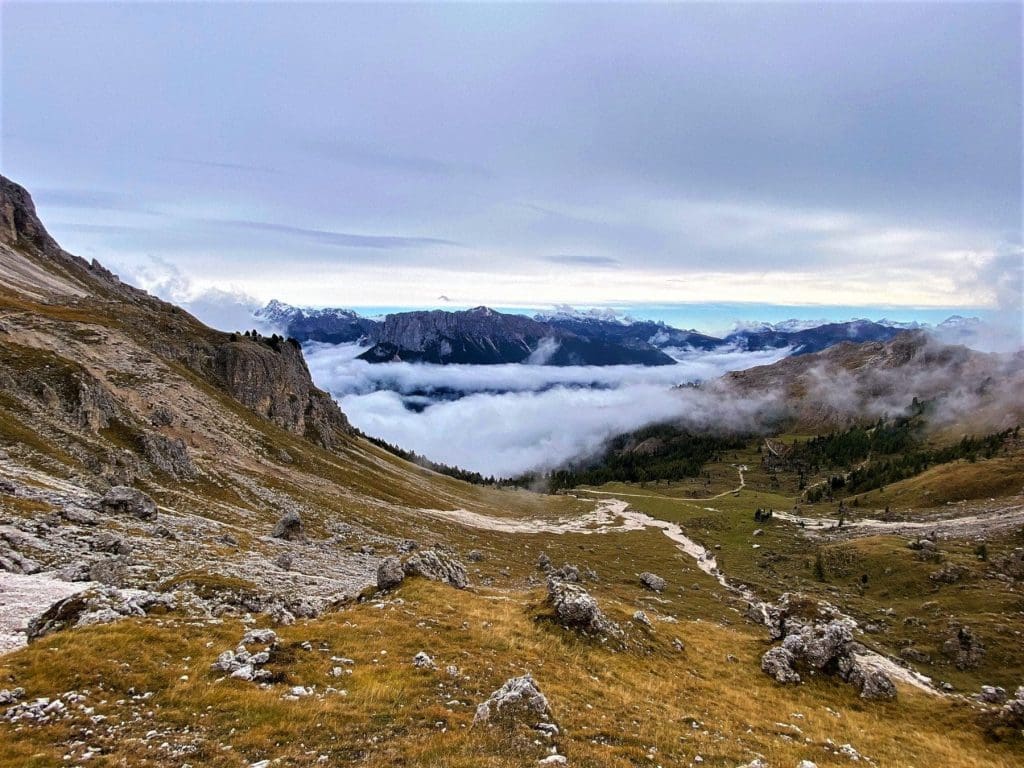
{"points": [[483, 336]]}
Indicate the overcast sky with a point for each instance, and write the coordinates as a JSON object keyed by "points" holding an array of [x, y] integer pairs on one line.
{"points": [[862, 154]]}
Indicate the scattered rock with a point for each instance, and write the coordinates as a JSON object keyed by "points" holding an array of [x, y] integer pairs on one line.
{"points": [[991, 694], [112, 571], [475, 556], [652, 581], [407, 545], [242, 663], [641, 618], [543, 561], [73, 513], [96, 606], [123, 500], [284, 561]]}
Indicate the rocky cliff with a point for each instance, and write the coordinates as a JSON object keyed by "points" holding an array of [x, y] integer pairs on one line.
{"points": [[71, 329]]}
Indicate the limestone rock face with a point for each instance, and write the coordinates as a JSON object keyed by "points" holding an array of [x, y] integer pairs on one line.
{"points": [[272, 379]]}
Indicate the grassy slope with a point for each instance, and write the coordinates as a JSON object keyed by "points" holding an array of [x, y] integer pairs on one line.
{"points": [[615, 709]]}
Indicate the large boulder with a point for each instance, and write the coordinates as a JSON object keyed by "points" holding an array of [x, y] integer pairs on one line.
{"points": [[437, 566], [576, 608], [289, 527], [123, 500], [652, 581], [390, 573], [96, 606]]}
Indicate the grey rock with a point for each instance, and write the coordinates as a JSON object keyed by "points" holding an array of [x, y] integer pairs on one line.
{"points": [[284, 561], [543, 561], [112, 571], [991, 694], [407, 545], [518, 699], [778, 663], [963, 647], [475, 556], [123, 500], [422, 661], [576, 608], [652, 581], [437, 566], [169, 455], [390, 573], [73, 513], [105, 541], [289, 527]]}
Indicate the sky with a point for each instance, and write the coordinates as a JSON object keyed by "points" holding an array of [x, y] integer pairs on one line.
{"points": [[816, 155]]}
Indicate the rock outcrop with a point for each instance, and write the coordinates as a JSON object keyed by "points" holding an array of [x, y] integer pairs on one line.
{"points": [[122, 500], [577, 609], [436, 565]]}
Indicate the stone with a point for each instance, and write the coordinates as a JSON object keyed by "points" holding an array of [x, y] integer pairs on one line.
{"points": [[111, 571], [576, 608], [543, 561], [422, 661], [124, 500], [991, 694], [517, 699], [475, 556], [963, 647], [289, 527], [652, 581], [437, 566], [778, 663], [73, 513], [390, 573], [641, 618], [284, 561]]}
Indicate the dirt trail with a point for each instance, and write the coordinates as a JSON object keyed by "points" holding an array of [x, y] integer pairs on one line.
{"points": [[614, 516]]}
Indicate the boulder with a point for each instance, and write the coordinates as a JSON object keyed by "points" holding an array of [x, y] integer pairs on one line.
{"points": [[652, 581], [389, 573], [518, 699], [991, 694], [123, 500], [422, 661], [437, 566], [576, 608], [963, 647], [289, 527], [778, 663]]}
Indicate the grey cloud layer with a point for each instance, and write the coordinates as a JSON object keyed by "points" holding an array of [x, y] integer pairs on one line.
{"points": [[730, 137]]}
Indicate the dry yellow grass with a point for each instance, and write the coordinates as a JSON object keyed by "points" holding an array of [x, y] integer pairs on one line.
{"points": [[655, 706]]}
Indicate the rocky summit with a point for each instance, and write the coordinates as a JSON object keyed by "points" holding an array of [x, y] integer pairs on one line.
{"points": [[202, 564]]}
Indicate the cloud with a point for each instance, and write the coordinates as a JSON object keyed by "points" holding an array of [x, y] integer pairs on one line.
{"points": [[508, 419], [583, 260], [223, 309], [340, 239]]}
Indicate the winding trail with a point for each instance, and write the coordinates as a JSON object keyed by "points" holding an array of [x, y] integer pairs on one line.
{"points": [[614, 516]]}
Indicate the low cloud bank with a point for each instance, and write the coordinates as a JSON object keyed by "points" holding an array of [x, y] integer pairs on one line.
{"points": [[503, 420]]}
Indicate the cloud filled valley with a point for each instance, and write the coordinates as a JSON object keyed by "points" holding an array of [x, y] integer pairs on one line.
{"points": [[503, 420]]}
